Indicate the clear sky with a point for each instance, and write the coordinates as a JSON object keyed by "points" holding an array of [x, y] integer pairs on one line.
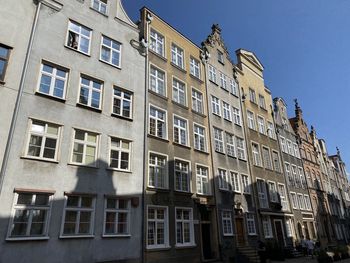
{"points": [[303, 45]]}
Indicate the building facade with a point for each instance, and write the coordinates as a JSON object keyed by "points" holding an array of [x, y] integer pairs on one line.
{"points": [[180, 214], [301, 224], [229, 159], [72, 189]]}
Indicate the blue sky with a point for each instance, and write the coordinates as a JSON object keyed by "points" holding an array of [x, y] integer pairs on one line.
{"points": [[303, 45]]}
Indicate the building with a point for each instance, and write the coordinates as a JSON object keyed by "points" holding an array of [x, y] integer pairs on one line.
{"points": [[233, 194], [269, 185], [301, 224], [72, 189], [180, 215], [315, 178]]}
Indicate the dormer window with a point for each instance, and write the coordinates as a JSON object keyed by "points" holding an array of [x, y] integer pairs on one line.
{"points": [[220, 57]]}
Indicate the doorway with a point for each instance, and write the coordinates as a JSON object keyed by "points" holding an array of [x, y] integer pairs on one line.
{"points": [[240, 231], [300, 231], [206, 241], [279, 232]]}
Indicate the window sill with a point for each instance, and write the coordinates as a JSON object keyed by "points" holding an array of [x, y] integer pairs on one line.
{"points": [[213, 82], [121, 117], [110, 64], [158, 95], [179, 192], [224, 190], [178, 67], [231, 156], [88, 107], [239, 125], [77, 236], [157, 138], [76, 50], [196, 78], [199, 195], [217, 115], [27, 238], [114, 236], [39, 159], [220, 152], [179, 246], [228, 91], [199, 113], [182, 145], [158, 55], [228, 235], [180, 105], [50, 96], [227, 120], [263, 109], [158, 248], [105, 15], [154, 189], [243, 160], [83, 165], [200, 151], [118, 170]]}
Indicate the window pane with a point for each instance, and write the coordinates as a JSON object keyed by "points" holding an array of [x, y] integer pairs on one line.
{"points": [[24, 199]]}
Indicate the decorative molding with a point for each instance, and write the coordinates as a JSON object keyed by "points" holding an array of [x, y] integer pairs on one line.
{"points": [[53, 4]]}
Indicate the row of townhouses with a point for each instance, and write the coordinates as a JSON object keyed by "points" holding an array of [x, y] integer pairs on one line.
{"points": [[128, 142]]}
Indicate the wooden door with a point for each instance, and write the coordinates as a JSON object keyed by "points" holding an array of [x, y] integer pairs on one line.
{"points": [[280, 232], [240, 231]]}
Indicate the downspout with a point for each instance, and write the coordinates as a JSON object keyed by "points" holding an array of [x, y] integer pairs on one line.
{"points": [[19, 96]]}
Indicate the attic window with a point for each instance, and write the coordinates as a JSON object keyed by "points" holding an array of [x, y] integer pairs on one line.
{"points": [[220, 57], [100, 6]]}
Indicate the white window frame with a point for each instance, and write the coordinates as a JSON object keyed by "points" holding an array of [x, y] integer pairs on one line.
{"points": [[290, 147], [91, 89], [301, 201], [85, 143], [221, 57], [219, 140], [212, 73], [261, 125], [226, 221], [215, 105], [177, 56], [275, 167], [165, 223], [197, 101], [283, 197], [226, 111], [156, 119], [166, 179], [294, 198], [100, 4], [179, 87], [118, 210], [159, 40], [271, 130], [272, 191], [112, 50], [223, 179], [230, 144], [53, 76], [235, 182], [195, 67], [155, 77], [251, 120], [262, 103], [240, 148], [122, 98], [237, 116], [262, 195], [234, 87], [180, 130], [79, 35], [251, 227], [283, 144], [252, 95], [296, 150], [223, 81], [256, 154], [199, 138], [120, 150], [267, 161], [183, 221], [267, 227], [183, 173], [245, 184], [307, 202], [202, 179]]}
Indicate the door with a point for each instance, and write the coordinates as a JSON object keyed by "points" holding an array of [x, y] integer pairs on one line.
{"points": [[279, 232], [240, 231], [206, 241]]}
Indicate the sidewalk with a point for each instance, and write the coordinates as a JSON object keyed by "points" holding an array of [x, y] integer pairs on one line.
{"points": [[306, 260]]}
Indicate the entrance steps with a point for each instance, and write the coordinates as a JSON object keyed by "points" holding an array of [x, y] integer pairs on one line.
{"points": [[247, 254]]}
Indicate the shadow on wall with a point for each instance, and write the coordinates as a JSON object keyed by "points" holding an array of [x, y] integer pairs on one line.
{"points": [[79, 227]]}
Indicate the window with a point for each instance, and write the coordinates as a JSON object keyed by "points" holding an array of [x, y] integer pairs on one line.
{"points": [[302, 177], [179, 92], [240, 148], [223, 81], [79, 37], [236, 116], [223, 179], [296, 150], [215, 105], [283, 144], [117, 217], [78, 215], [84, 147], [182, 176], [230, 145], [226, 223], [271, 130], [294, 176], [220, 57], [4, 59], [273, 192], [218, 140], [195, 68], [283, 197], [226, 111], [110, 51], [290, 149], [301, 201], [199, 138], [261, 125], [120, 154], [267, 158], [245, 184], [43, 140], [266, 222], [262, 193], [288, 174], [156, 42], [180, 131], [53, 80], [212, 73], [157, 227], [235, 184], [122, 103], [262, 103], [90, 92], [157, 122], [289, 230], [177, 56], [307, 202], [234, 87], [202, 180], [100, 6], [250, 224], [197, 101], [157, 169], [184, 227], [276, 161], [157, 81], [294, 199], [252, 95], [31, 212], [251, 120], [256, 154]]}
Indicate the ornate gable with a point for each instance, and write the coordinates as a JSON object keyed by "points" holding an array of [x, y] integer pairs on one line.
{"points": [[215, 39], [252, 58]]}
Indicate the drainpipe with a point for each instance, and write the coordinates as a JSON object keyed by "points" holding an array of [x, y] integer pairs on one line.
{"points": [[19, 96]]}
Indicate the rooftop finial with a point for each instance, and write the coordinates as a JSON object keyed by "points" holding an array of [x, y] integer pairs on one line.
{"points": [[216, 28]]}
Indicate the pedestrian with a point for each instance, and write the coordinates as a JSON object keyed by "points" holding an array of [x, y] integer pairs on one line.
{"points": [[304, 245], [262, 251], [310, 247]]}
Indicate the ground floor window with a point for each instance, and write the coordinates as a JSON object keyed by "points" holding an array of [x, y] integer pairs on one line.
{"points": [[157, 227]]}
